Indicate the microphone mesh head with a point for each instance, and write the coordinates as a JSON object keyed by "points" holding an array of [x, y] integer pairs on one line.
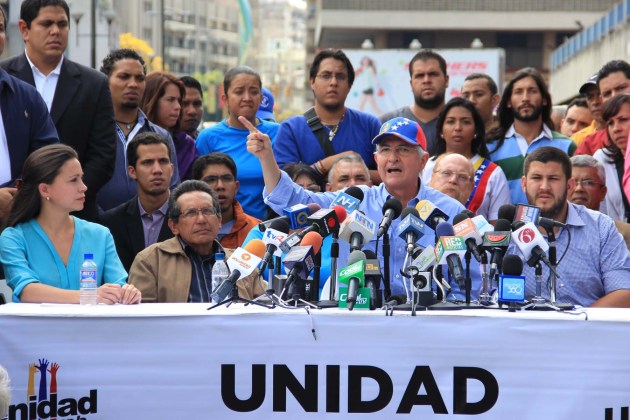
{"points": [[313, 239], [460, 218], [444, 229], [256, 247], [502, 225], [280, 225], [507, 212], [355, 256], [512, 265], [355, 192], [394, 205]]}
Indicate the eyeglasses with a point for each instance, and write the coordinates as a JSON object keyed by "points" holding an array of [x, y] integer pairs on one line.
{"points": [[327, 77], [213, 179], [586, 183], [206, 212], [448, 174], [402, 151]]}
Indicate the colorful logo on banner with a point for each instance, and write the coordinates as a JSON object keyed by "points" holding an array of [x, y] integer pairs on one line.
{"points": [[42, 400]]}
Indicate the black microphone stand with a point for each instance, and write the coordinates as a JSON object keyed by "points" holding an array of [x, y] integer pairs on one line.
{"points": [[235, 298], [294, 289], [270, 293], [387, 289], [538, 302], [553, 280]]}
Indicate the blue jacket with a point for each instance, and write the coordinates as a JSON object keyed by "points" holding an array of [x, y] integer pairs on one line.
{"points": [[26, 121]]}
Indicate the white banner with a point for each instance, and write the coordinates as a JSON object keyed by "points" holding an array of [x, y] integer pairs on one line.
{"points": [[386, 74], [188, 363]]}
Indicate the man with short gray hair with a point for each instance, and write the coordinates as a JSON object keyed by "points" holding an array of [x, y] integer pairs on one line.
{"points": [[347, 171]]}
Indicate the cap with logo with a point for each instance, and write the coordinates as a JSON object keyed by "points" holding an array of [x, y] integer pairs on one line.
{"points": [[592, 81], [265, 110], [403, 128]]}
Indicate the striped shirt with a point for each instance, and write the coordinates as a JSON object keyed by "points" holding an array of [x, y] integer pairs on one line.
{"points": [[511, 155]]}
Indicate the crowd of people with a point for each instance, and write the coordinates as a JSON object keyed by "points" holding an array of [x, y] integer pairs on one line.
{"points": [[115, 163]]}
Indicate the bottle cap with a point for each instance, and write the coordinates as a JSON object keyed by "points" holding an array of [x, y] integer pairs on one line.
{"points": [[88, 256], [219, 256]]}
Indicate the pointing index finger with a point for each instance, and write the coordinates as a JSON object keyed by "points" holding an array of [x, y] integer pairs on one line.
{"points": [[248, 124]]}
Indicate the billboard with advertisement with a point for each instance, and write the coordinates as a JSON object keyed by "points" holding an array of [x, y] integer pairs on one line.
{"points": [[382, 76]]}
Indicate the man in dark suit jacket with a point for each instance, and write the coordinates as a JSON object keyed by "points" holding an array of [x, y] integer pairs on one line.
{"points": [[77, 97], [26, 126], [142, 221]]}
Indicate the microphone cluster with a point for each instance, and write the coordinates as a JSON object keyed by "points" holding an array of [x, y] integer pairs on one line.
{"points": [[466, 237]]}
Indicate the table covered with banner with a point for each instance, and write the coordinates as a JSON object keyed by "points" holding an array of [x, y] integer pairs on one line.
{"points": [[180, 361]]}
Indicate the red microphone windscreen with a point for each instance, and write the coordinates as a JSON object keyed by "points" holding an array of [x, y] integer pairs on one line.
{"points": [[313, 239], [340, 212]]}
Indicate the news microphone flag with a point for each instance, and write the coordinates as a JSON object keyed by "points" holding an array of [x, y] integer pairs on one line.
{"points": [[426, 259], [356, 270], [526, 213], [243, 261], [346, 201], [275, 237], [511, 288], [448, 245], [298, 216], [482, 224]]}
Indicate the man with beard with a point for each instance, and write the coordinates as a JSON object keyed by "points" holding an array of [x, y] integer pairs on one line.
{"points": [[142, 221], [218, 170], [126, 73], [329, 130], [428, 80], [596, 268], [453, 175], [524, 126]]}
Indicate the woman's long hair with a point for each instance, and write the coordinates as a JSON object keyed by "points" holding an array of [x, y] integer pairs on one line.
{"points": [[42, 166], [478, 144], [612, 108]]}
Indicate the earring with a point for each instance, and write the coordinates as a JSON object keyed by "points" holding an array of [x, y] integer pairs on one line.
{"points": [[475, 136], [47, 198]]}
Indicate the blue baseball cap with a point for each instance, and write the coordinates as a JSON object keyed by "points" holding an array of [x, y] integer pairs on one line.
{"points": [[403, 128], [265, 110]]}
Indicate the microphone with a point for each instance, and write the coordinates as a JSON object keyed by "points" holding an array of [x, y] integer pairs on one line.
{"points": [[449, 250], [426, 260], [395, 300], [299, 213], [532, 245], [430, 214], [482, 224], [273, 236], [526, 213], [507, 212], [373, 278], [354, 276], [411, 228], [391, 210], [466, 229], [496, 243], [241, 263], [350, 199], [263, 226], [323, 221], [299, 261], [512, 282], [357, 229]]}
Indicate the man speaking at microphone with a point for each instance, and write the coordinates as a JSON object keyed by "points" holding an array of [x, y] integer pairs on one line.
{"points": [[179, 269], [596, 268], [400, 157]]}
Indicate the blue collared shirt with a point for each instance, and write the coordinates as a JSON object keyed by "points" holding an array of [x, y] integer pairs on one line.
{"points": [[288, 193], [596, 263]]}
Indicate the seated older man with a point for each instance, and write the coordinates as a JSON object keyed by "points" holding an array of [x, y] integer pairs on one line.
{"points": [[453, 175], [180, 269]]}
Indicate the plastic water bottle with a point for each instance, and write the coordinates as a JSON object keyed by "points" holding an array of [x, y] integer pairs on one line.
{"points": [[89, 289], [220, 271]]}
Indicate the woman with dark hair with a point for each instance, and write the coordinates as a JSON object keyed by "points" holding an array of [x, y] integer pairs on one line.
{"points": [[305, 176], [43, 246], [162, 103], [460, 129], [242, 95], [616, 115]]}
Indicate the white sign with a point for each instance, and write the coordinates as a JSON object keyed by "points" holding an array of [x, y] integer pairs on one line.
{"points": [[382, 76]]}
